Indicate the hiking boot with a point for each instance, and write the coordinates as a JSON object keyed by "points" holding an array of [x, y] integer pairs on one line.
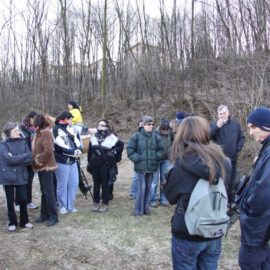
{"points": [[17, 208], [11, 228], [95, 207], [103, 208], [32, 206]]}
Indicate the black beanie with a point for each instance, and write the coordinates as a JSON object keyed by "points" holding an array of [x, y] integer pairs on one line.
{"points": [[260, 118], [164, 124]]}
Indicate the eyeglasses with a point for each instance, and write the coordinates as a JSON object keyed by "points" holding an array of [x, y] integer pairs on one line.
{"points": [[149, 124]]}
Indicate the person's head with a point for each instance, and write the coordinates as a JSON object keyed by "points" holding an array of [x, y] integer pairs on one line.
{"points": [[73, 105], [40, 122], [179, 116], [259, 124], [64, 118], [11, 130], [103, 125], [164, 126], [193, 137], [28, 120], [148, 123], [223, 112]]}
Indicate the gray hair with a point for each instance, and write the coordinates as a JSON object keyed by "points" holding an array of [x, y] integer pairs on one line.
{"points": [[222, 107], [7, 129]]}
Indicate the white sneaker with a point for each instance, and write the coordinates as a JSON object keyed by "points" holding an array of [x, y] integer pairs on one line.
{"points": [[28, 226], [74, 210], [63, 210], [32, 206], [17, 208], [12, 228]]}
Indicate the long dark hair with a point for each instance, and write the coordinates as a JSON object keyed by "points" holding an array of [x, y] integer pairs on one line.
{"points": [[193, 136], [26, 120], [40, 122], [74, 105]]}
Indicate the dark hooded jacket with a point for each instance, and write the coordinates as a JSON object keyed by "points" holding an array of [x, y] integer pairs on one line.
{"points": [[182, 179]]}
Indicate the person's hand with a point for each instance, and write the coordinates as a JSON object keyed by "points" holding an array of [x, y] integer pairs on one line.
{"points": [[221, 122], [9, 154], [77, 152]]}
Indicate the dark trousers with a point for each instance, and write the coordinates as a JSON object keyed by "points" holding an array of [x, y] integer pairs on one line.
{"points": [[232, 185], [21, 195], [251, 258], [101, 178], [48, 209], [29, 185]]}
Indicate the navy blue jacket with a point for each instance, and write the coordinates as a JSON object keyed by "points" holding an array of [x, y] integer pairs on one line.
{"points": [[255, 212], [230, 137], [15, 156]]}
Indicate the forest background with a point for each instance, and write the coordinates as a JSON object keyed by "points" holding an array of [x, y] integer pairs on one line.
{"points": [[119, 62]]}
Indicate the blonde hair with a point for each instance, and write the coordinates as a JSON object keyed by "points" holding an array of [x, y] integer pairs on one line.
{"points": [[193, 136]]}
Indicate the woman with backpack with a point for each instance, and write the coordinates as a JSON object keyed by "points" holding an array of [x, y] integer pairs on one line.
{"points": [[194, 158]]}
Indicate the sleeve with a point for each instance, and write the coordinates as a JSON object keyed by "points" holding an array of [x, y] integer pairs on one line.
{"points": [[48, 148], [61, 147], [241, 139], [132, 153], [160, 151], [13, 160], [213, 130]]}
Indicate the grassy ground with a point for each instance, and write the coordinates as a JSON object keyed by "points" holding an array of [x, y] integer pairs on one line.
{"points": [[87, 240]]}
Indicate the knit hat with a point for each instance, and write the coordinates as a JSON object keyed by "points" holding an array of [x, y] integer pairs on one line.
{"points": [[147, 119], [164, 124], [180, 116], [260, 118]]}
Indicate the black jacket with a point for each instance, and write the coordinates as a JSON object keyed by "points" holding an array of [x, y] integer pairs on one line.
{"points": [[230, 137], [181, 181], [15, 156], [255, 212]]}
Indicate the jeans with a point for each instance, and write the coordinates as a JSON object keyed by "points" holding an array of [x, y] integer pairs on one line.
{"points": [[251, 258], [159, 176], [67, 185], [134, 185], [190, 255], [21, 196], [143, 195]]}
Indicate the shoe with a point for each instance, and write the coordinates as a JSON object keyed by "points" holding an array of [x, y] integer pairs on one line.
{"points": [[95, 207], [147, 213], [28, 226], [132, 197], [52, 223], [74, 210], [63, 210], [164, 203], [103, 208], [40, 220], [11, 228], [32, 206], [17, 208], [153, 204]]}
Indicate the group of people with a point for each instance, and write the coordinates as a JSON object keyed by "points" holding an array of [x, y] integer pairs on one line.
{"points": [[179, 152]]}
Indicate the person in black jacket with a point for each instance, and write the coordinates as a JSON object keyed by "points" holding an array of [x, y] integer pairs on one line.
{"points": [[229, 135], [103, 152], [194, 157], [15, 156], [254, 203]]}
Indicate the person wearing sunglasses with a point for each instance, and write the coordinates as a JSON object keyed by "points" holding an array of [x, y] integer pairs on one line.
{"points": [[144, 149]]}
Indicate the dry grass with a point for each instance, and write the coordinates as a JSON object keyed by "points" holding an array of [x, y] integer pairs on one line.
{"points": [[87, 240]]}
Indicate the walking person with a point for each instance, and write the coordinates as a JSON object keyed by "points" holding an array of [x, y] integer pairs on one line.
{"points": [[165, 134], [15, 156], [67, 150], [28, 132], [194, 157], [145, 151], [254, 200], [104, 148], [228, 134], [44, 163]]}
